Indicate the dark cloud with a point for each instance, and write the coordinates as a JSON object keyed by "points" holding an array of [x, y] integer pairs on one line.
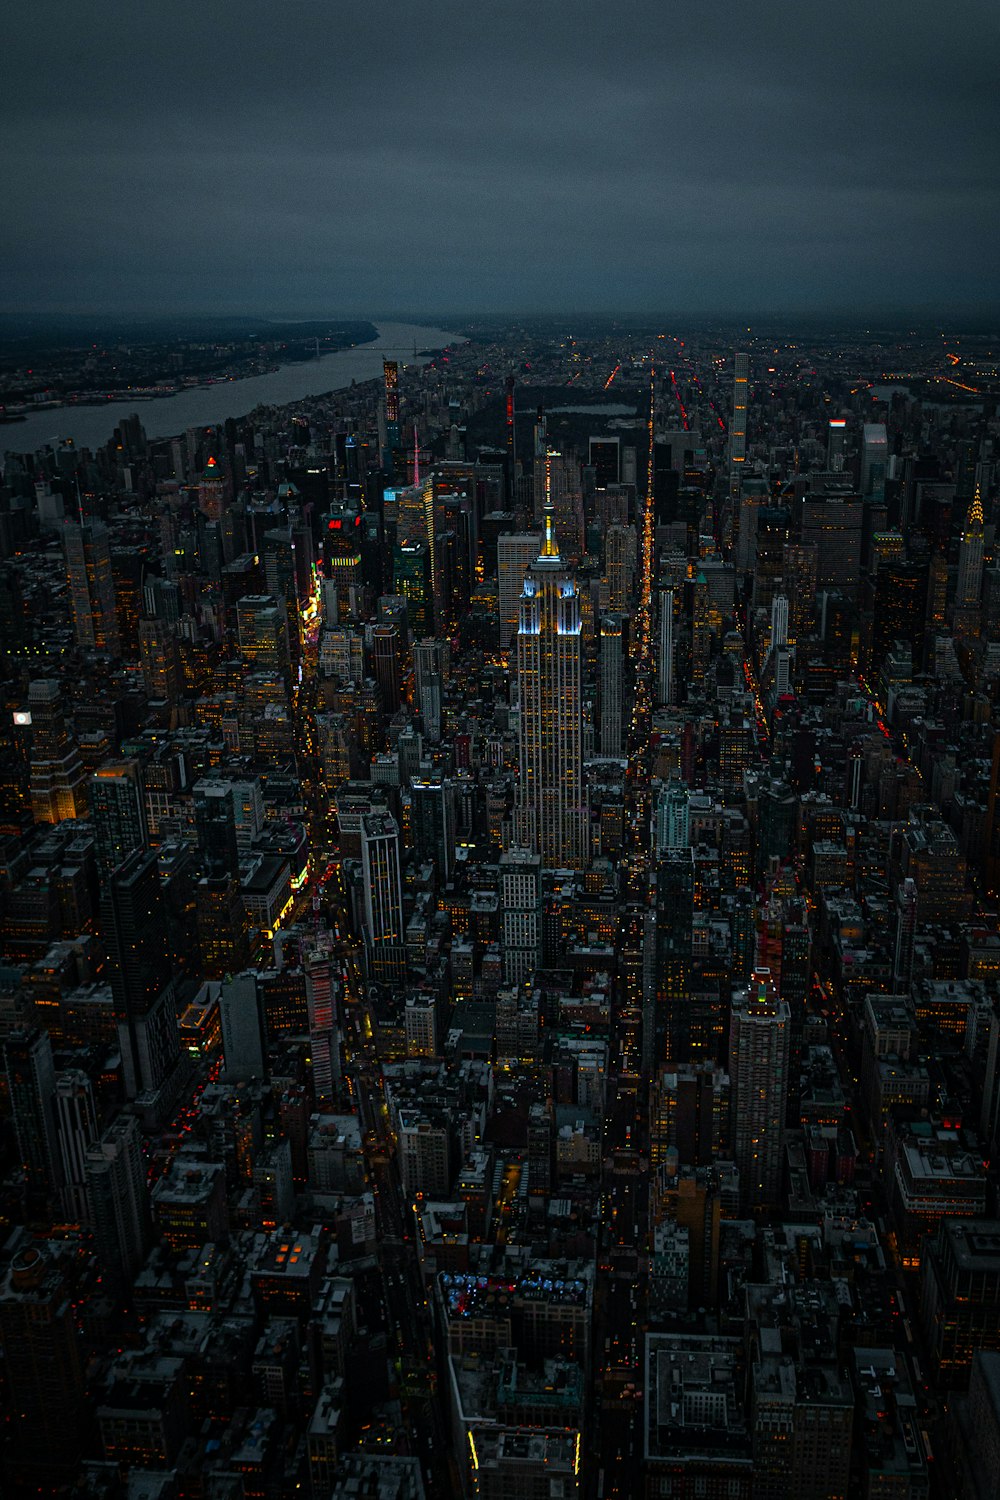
{"points": [[321, 156]]}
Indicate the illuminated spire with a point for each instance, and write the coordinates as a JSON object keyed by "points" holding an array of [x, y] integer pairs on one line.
{"points": [[549, 546], [975, 511]]}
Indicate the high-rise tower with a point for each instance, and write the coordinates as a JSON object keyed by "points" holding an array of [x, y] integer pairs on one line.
{"points": [[551, 815], [612, 696], [779, 622], [91, 587], [836, 441], [665, 648], [521, 912], [738, 426], [970, 570], [31, 1085], [515, 553], [383, 897], [134, 928], [511, 439], [759, 1037], [874, 460], [116, 806], [58, 786], [43, 1372], [119, 1206]]}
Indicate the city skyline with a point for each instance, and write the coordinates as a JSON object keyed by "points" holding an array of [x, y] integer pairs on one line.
{"points": [[500, 798]]}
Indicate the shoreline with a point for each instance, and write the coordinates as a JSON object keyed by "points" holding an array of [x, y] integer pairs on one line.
{"points": [[91, 425]]}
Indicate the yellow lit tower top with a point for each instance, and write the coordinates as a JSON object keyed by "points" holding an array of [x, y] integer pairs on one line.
{"points": [[550, 547]]}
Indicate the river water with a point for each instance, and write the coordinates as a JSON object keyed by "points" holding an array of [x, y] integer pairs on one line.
{"points": [[204, 406]]}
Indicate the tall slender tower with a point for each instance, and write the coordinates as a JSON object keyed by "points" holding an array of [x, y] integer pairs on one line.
{"points": [[665, 648], [836, 441], [119, 1205], [76, 1127], [383, 897], [779, 621], [511, 440], [31, 1086], [116, 807], [970, 570], [91, 587], [906, 930], [758, 1069], [551, 816], [521, 913], [738, 426], [321, 999], [515, 554], [390, 376], [874, 459], [612, 696], [134, 929], [58, 786]]}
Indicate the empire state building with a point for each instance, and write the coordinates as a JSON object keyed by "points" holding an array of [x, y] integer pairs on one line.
{"points": [[551, 816]]}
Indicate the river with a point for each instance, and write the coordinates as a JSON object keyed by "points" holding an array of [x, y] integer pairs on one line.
{"points": [[204, 406]]}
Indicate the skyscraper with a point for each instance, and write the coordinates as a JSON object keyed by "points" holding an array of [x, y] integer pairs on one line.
{"points": [[836, 438], [759, 1037], [521, 913], [906, 931], [385, 646], [58, 783], [515, 554], [91, 586], [874, 460], [433, 821], [31, 1084], [612, 695], [620, 553], [215, 824], [970, 570], [605, 460], [44, 1372], [241, 1014], [161, 671], [551, 816], [116, 806], [324, 1041], [212, 490], [76, 1129], [738, 425], [665, 648], [383, 897], [134, 928], [412, 580], [390, 376], [428, 674], [666, 1023], [262, 624], [671, 817], [511, 438], [119, 1206]]}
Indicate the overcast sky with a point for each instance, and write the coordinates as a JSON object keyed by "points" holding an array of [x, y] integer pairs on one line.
{"points": [[672, 155]]}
